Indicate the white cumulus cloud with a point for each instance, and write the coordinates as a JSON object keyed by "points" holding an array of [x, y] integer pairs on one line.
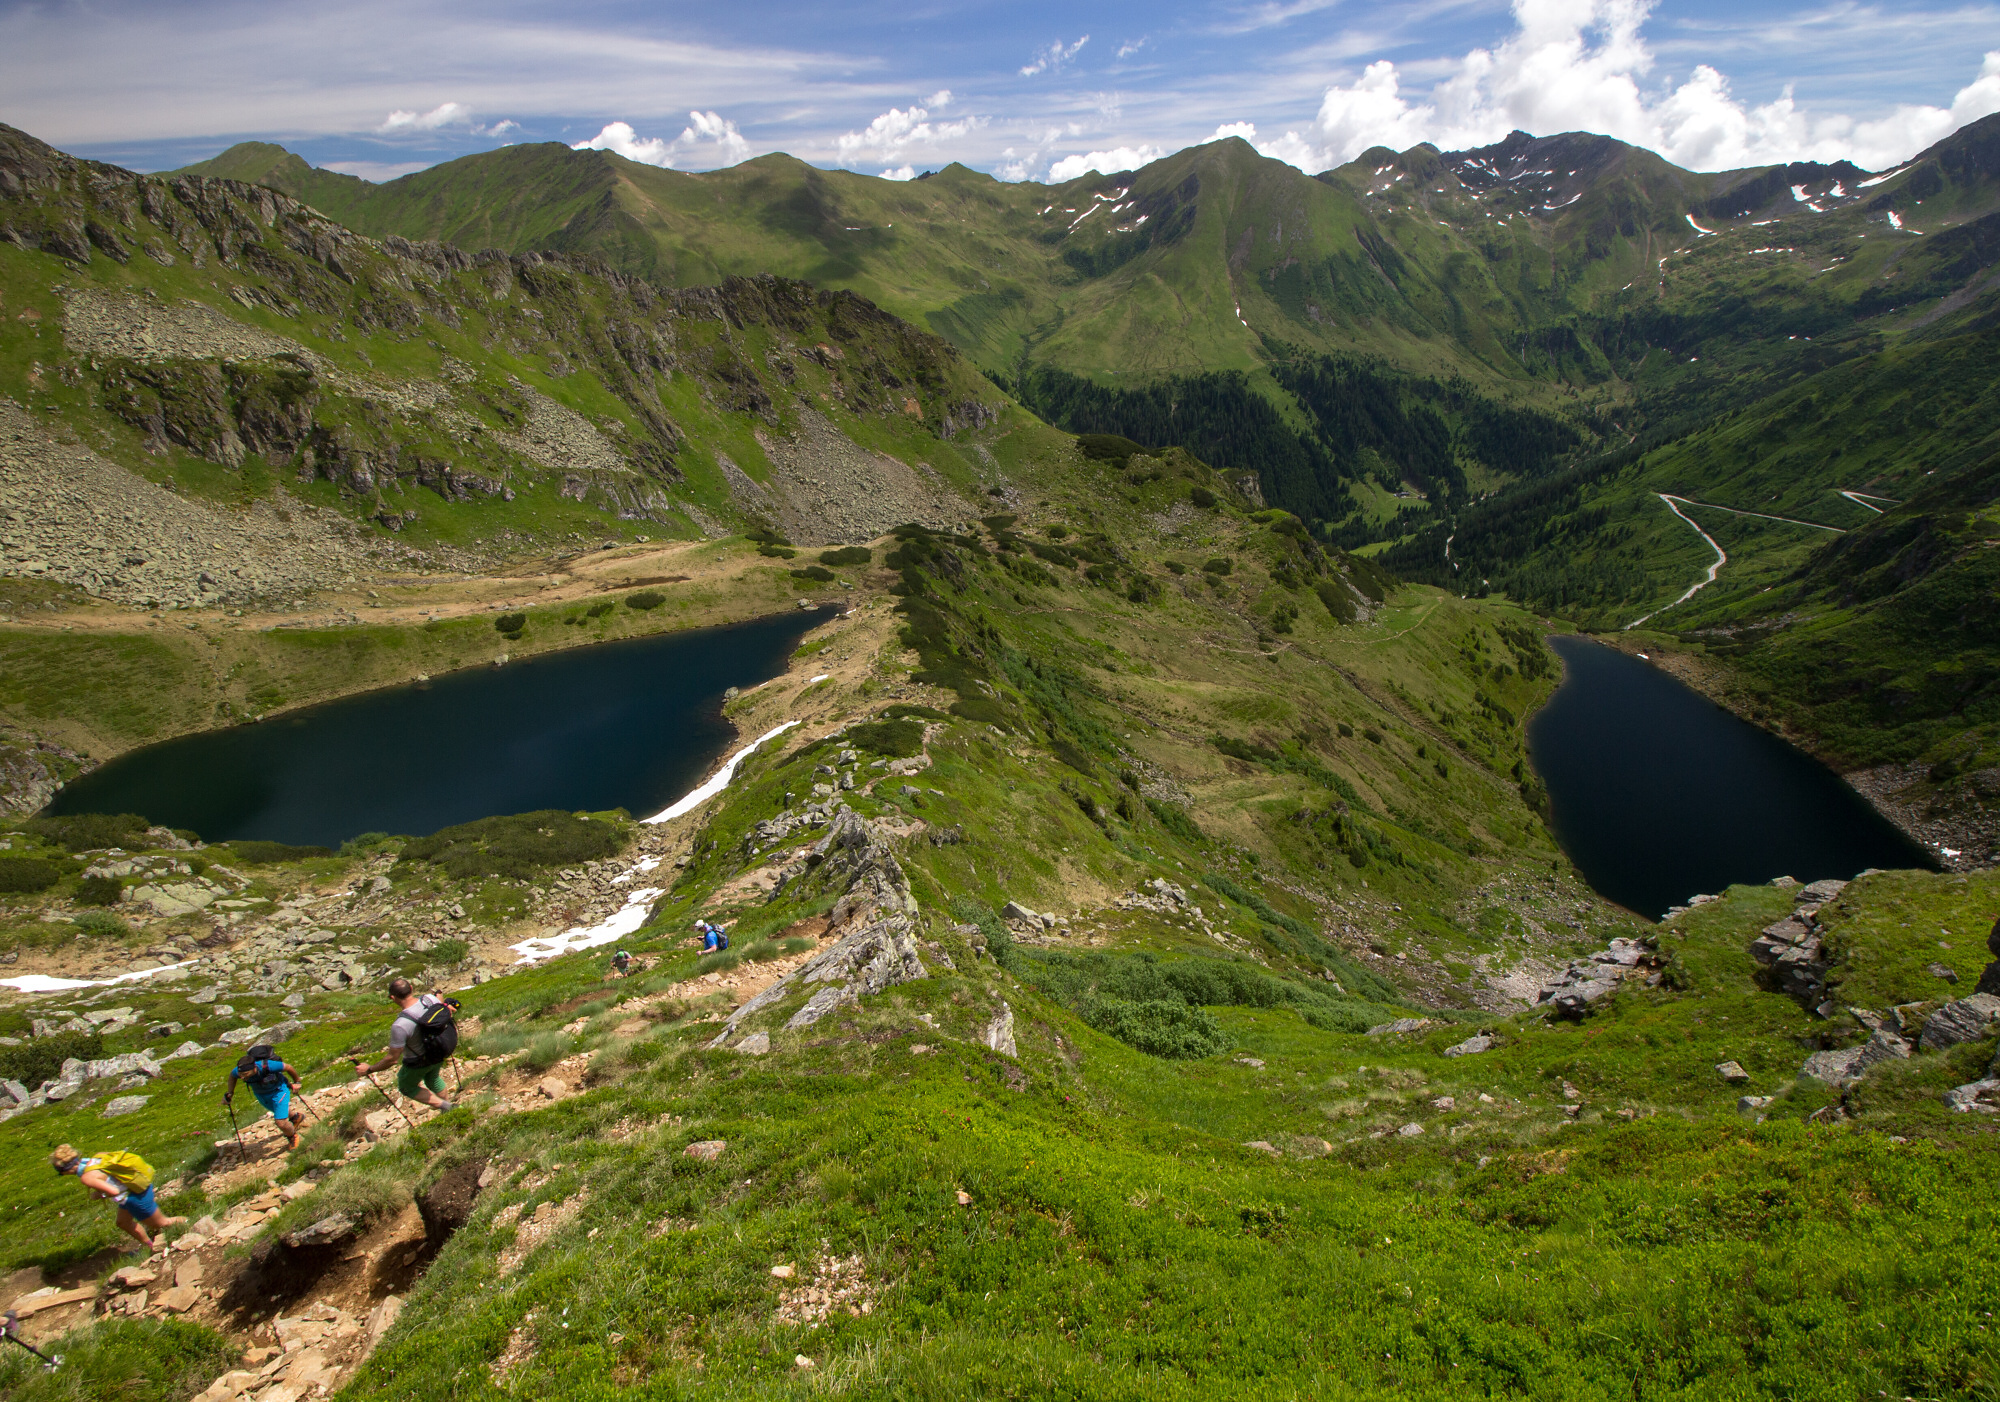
{"points": [[889, 135], [1103, 162], [1053, 57], [1581, 65], [709, 139]]}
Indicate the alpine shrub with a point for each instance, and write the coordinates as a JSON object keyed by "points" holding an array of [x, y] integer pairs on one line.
{"points": [[86, 832], [645, 599], [99, 890], [1159, 1027], [516, 846], [27, 874], [818, 573], [39, 1060], [510, 623], [256, 852], [847, 555]]}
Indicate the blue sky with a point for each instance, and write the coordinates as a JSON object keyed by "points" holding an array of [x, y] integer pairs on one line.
{"points": [[1025, 90]]}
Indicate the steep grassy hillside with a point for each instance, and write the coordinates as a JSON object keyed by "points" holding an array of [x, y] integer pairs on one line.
{"points": [[1261, 1105]]}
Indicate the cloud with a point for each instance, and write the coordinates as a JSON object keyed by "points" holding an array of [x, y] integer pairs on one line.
{"points": [[1246, 130], [1053, 57], [940, 99], [1578, 65], [378, 171], [886, 138], [445, 114], [1103, 162], [502, 127], [707, 135], [904, 172], [1132, 46]]}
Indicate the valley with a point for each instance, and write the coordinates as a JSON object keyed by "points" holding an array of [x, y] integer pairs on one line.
{"points": [[1153, 967]]}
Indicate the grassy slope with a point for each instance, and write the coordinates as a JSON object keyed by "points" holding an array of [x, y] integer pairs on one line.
{"points": [[1118, 1239]]}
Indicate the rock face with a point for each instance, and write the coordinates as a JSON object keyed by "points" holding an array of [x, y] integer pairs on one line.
{"points": [[1587, 982], [1849, 1063], [1989, 978], [875, 908], [1965, 1020], [1792, 953]]}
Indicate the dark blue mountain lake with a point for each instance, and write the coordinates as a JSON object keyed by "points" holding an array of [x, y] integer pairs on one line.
{"points": [[1659, 794], [631, 724]]}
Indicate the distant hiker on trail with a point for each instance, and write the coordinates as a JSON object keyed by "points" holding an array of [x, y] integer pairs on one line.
{"points": [[713, 939], [621, 962], [272, 1082], [424, 1035], [125, 1178]]}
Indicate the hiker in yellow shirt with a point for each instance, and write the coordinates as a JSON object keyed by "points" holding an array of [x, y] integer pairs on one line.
{"points": [[125, 1178]]}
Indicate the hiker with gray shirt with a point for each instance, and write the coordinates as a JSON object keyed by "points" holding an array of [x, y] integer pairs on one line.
{"points": [[423, 1037]]}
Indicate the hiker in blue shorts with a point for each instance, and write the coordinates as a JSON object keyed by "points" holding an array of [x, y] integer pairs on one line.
{"points": [[272, 1082], [126, 1179]]}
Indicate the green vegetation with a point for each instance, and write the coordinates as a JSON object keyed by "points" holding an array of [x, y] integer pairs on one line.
{"points": [[519, 845], [847, 555], [138, 1360]]}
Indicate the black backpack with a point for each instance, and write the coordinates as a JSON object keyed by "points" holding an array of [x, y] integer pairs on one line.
{"points": [[434, 1037], [259, 1067]]}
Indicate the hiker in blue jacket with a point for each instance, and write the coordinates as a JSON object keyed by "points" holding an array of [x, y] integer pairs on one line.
{"points": [[272, 1081]]}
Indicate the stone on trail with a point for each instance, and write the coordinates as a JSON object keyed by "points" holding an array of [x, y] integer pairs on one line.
{"points": [[179, 1300], [292, 1192], [552, 1088], [325, 1232], [707, 1151], [784, 1272], [1732, 1072], [132, 1277]]}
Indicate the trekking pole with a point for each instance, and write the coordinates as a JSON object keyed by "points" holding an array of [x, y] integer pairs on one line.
{"points": [[11, 1329], [232, 1123], [385, 1095]]}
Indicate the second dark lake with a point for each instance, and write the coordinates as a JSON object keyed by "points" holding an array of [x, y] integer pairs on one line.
{"points": [[631, 724], [1659, 794]]}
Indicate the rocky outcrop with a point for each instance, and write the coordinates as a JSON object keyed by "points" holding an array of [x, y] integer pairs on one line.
{"points": [[1838, 1067], [1792, 951], [1966, 1020], [875, 910], [1584, 983]]}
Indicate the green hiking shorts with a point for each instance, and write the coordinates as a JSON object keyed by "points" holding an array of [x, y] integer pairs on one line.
{"points": [[409, 1078]]}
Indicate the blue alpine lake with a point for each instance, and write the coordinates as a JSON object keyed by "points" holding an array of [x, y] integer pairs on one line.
{"points": [[1659, 794], [631, 724]]}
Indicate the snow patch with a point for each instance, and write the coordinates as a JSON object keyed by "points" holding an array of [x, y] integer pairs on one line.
{"points": [[1879, 179], [1705, 233], [721, 779], [42, 983]]}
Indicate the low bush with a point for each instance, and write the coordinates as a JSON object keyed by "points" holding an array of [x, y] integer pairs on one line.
{"points": [[777, 552], [510, 623], [1159, 1027], [645, 599], [1218, 565], [258, 853], [847, 555], [448, 952], [819, 574], [501, 1039], [721, 959], [1202, 497], [518, 845], [100, 924], [24, 874], [985, 712], [132, 1360], [41, 1058], [598, 610], [908, 712], [897, 739], [999, 944], [85, 832], [1107, 447], [1339, 602]]}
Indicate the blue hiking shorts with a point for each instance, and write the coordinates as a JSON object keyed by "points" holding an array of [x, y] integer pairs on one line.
{"points": [[278, 1100], [140, 1205]]}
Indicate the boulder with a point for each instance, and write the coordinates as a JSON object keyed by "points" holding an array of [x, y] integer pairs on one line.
{"points": [[1966, 1020], [1471, 1046], [1982, 1097], [178, 1300], [1847, 1063], [707, 1150], [1819, 892], [756, 1044], [1014, 910], [328, 1231], [1751, 1104], [1400, 1026], [999, 1033], [1731, 1072], [125, 1105]]}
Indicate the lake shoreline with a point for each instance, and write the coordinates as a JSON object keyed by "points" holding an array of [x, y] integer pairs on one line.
{"points": [[1972, 837]]}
